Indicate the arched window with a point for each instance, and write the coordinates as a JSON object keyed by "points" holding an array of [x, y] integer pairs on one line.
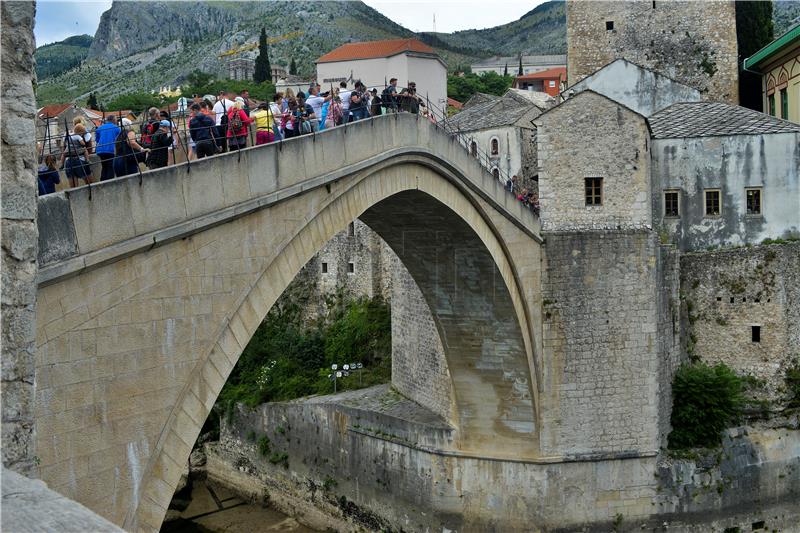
{"points": [[473, 148], [496, 173], [495, 147]]}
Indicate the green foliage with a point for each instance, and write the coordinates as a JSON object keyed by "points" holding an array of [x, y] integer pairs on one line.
{"points": [[705, 400], [202, 83], [463, 87], [292, 67], [754, 30], [280, 458], [784, 12], [136, 102], [91, 102], [329, 483], [793, 384], [264, 446], [263, 70], [53, 59], [289, 358]]}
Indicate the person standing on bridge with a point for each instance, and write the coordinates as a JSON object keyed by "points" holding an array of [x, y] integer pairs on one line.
{"points": [[105, 136], [202, 130], [238, 126], [159, 146], [344, 95], [264, 120], [127, 151], [221, 109]]}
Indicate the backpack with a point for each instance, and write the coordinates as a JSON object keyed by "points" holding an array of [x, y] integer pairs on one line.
{"points": [[235, 122], [336, 113], [148, 130]]}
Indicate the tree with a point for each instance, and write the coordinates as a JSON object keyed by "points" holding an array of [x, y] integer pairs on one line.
{"points": [[505, 71], [263, 70], [198, 78], [292, 67], [520, 72], [754, 30], [91, 103]]}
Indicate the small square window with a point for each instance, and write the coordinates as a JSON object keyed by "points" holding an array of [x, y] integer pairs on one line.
{"points": [[552, 83], [609, 25], [755, 333], [713, 203], [324, 268], [351, 268], [671, 204], [594, 191], [753, 201]]}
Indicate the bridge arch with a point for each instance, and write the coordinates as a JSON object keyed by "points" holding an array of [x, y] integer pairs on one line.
{"points": [[493, 389]]}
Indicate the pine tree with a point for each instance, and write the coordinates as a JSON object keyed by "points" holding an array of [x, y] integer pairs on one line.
{"points": [[505, 71], [263, 71], [91, 103], [292, 67], [519, 72]]}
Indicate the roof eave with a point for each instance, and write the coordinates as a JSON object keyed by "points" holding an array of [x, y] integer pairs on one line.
{"points": [[772, 48]]}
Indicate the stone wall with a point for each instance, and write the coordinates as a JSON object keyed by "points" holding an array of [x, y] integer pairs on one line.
{"points": [[349, 459], [670, 333], [600, 335], [728, 292], [419, 368], [731, 164], [692, 42], [19, 237], [591, 136]]}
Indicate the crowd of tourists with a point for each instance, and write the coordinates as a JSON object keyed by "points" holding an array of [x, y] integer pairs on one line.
{"points": [[224, 123], [216, 124]]}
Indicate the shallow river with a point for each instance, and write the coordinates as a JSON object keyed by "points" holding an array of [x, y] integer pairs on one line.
{"points": [[214, 509]]}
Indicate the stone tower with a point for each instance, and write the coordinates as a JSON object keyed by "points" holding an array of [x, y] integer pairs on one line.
{"points": [[691, 42]]}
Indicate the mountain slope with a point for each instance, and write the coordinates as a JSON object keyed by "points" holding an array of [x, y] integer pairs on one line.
{"points": [[540, 31], [55, 58], [144, 45], [784, 13]]}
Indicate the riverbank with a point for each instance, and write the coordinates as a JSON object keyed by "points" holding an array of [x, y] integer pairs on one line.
{"points": [[216, 509]]}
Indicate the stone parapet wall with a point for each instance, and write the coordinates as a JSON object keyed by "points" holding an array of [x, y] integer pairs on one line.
{"points": [[728, 292], [19, 237], [692, 42]]}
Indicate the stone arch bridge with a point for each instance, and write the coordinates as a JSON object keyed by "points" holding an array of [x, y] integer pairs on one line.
{"points": [[150, 287]]}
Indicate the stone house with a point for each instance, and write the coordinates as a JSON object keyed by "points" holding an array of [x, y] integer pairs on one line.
{"points": [[501, 130], [724, 175]]}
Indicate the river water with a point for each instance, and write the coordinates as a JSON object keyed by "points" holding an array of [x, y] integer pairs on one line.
{"points": [[213, 509]]}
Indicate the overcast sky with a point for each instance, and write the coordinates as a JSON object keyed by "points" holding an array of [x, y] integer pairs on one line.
{"points": [[59, 19]]}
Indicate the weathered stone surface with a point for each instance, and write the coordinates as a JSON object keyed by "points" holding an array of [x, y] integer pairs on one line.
{"points": [[692, 42], [31, 507], [728, 292], [18, 234]]}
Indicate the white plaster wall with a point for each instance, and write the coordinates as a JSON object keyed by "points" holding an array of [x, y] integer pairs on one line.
{"points": [[431, 79], [730, 164], [641, 90], [509, 159]]}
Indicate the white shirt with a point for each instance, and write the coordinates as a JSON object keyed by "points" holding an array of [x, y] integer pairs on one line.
{"points": [[345, 96], [316, 103], [221, 108]]}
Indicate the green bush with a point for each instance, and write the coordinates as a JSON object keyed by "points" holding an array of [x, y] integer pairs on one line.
{"points": [[264, 447], [705, 400]]}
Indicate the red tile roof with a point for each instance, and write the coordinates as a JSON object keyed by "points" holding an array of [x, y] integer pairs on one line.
{"points": [[375, 49], [454, 103], [558, 73], [52, 110]]}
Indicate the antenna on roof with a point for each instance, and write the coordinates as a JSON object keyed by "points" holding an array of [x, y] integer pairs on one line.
{"points": [[434, 23]]}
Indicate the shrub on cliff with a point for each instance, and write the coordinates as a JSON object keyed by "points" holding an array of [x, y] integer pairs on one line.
{"points": [[705, 400]]}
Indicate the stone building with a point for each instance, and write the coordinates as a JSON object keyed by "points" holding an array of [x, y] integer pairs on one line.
{"points": [[241, 68], [501, 129], [691, 42], [724, 175]]}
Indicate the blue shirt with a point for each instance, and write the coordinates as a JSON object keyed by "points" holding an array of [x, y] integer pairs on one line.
{"points": [[105, 135], [47, 180]]}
